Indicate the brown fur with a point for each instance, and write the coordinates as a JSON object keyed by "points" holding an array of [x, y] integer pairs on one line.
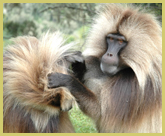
{"points": [[28, 105], [130, 101]]}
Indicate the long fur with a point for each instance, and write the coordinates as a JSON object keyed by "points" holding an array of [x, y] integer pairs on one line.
{"points": [[131, 101], [28, 105]]}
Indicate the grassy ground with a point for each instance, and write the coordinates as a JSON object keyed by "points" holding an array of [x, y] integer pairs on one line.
{"points": [[81, 123]]}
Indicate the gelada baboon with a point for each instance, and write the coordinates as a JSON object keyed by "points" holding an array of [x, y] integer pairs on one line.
{"points": [[123, 63], [28, 105]]}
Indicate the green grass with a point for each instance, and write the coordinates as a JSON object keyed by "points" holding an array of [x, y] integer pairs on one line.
{"points": [[81, 123]]}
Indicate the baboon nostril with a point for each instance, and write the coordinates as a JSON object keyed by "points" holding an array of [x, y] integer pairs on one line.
{"points": [[109, 54]]}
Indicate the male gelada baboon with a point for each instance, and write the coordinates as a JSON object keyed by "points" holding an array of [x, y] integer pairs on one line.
{"points": [[123, 63], [28, 105]]}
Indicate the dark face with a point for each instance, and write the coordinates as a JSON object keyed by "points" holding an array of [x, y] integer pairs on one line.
{"points": [[110, 61]]}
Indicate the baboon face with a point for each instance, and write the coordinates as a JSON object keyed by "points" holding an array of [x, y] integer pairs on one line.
{"points": [[136, 40], [110, 61]]}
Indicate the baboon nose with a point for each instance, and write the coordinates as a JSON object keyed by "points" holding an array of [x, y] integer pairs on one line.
{"points": [[109, 54]]}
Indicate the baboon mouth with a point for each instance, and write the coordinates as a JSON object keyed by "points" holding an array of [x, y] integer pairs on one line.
{"points": [[109, 70]]}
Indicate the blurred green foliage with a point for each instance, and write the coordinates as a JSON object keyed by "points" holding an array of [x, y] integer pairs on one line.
{"points": [[23, 28], [33, 19]]}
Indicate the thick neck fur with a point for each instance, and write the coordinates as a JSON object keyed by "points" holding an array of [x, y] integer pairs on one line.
{"points": [[128, 104], [123, 103]]}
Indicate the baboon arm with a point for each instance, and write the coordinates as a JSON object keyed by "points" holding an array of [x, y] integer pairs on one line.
{"points": [[86, 99]]}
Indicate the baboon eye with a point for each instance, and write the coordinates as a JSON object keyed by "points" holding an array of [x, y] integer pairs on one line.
{"points": [[111, 39], [120, 41]]}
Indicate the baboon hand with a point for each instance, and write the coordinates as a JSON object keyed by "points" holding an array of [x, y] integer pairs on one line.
{"points": [[76, 57], [77, 64], [58, 80]]}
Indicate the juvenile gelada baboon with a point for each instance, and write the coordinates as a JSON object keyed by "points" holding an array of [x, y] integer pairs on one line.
{"points": [[28, 105], [123, 72]]}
